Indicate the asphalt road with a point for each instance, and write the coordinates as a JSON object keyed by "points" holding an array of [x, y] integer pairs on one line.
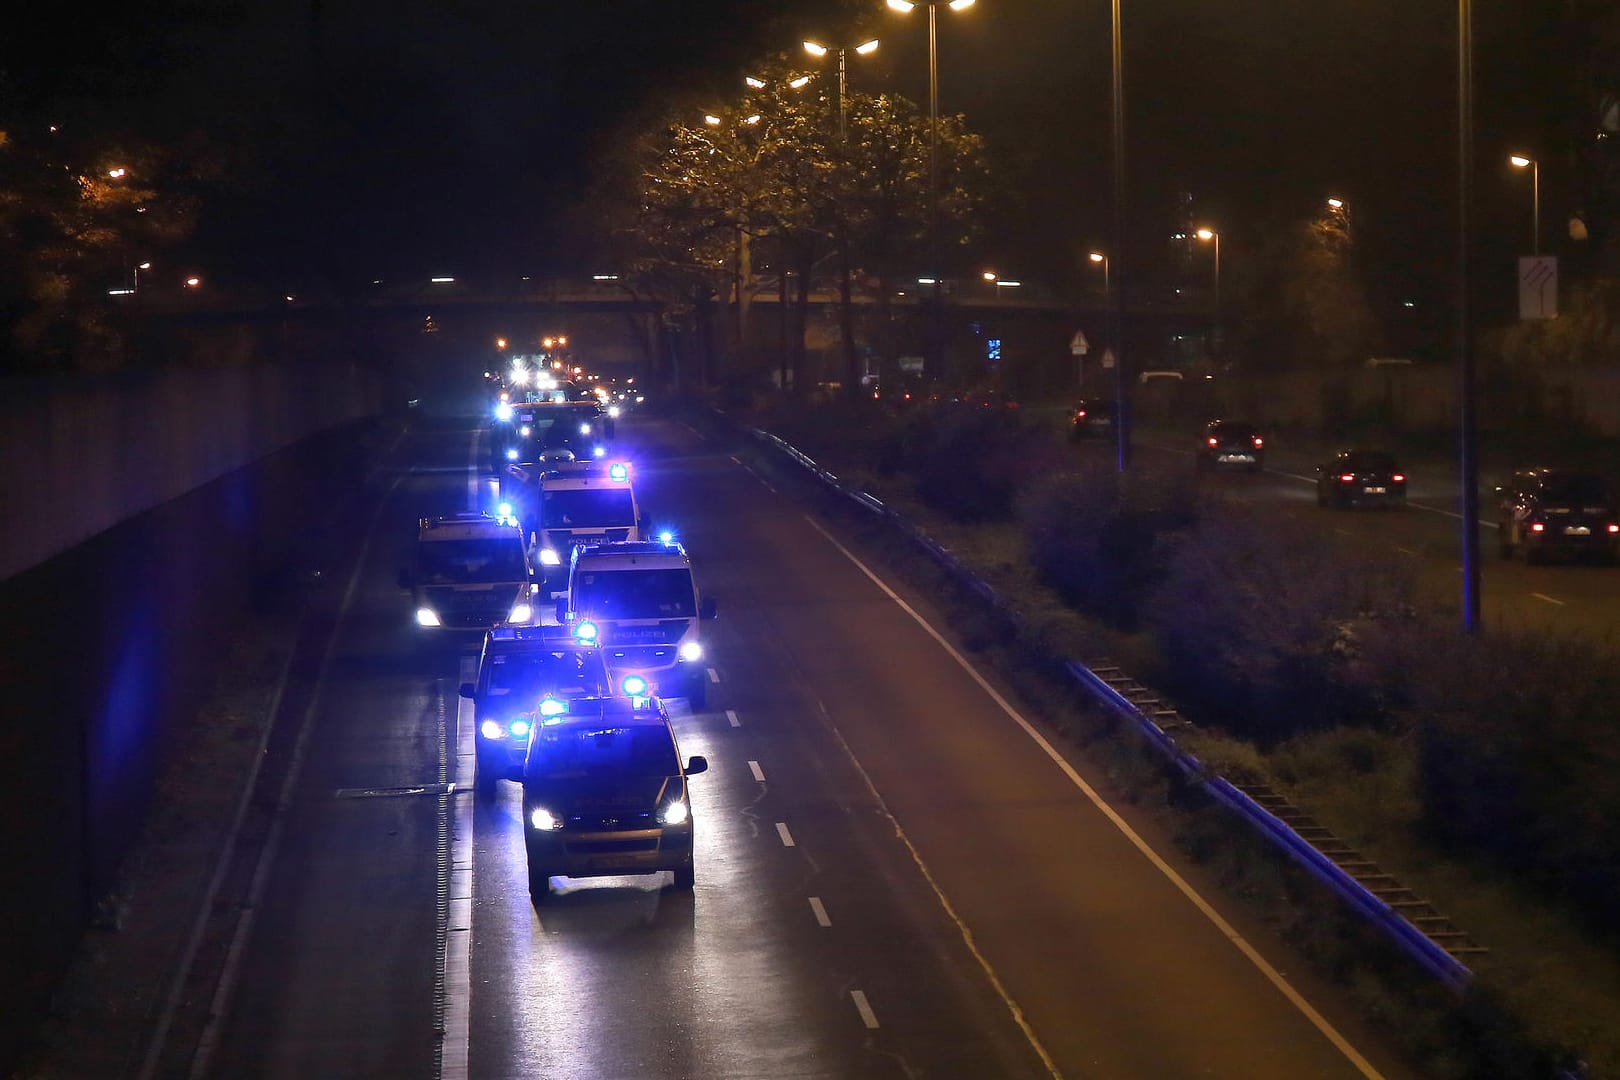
{"points": [[897, 874], [1579, 598]]}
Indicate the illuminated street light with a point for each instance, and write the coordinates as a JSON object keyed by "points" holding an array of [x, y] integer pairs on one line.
{"points": [[933, 360], [1336, 204], [441, 280], [989, 275], [1101, 260], [500, 343], [193, 282], [800, 83], [1210, 235], [116, 174], [815, 50], [711, 119], [136, 287], [753, 118], [1519, 161], [757, 84]]}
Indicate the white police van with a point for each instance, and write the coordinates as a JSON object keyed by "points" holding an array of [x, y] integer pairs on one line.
{"points": [[580, 504], [471, 572], [638, 600]]}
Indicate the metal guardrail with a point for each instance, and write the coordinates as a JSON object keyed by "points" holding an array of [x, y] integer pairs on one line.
{"points": [[1139, 709]]}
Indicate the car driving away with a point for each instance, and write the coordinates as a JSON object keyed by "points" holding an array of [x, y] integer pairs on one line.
{"points": [[1235, 443], [1361, 478], [1567, 512], [1091, 418], [526, 676], [605, 794]]}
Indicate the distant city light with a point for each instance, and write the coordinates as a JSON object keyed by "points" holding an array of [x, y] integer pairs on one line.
{"points": [[116, 174], [120, 292], [193, 282], [604, 277], [927, 281], [1007, 282], [441, 280]]}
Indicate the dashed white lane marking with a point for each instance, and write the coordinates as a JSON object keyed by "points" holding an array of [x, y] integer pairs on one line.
{"points": [[868, 1017], [1404, 550], [782, 831], [714, 676], [1226, 929], [1549, 599], [735, 460], [759, 773], [820, 911], [731, 714]]}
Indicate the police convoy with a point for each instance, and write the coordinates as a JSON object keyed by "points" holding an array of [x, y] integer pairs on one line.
{"points": [[573, 711]]}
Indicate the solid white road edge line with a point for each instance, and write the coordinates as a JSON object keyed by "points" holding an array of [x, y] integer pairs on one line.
{"points": [[1549, 599], [759, 774], [820, 912], [868, 1017], [782, 832], [1226, 929]]}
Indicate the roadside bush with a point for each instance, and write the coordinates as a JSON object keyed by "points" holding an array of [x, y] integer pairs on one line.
{"points": [[1519, 764], [1269, 632], [970, 463], [1098, 538]]}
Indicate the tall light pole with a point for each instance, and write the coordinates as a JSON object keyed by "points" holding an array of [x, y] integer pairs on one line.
{"points": [[1519, 161], [865, 48], [136, 287], [1210, 235], [1116, 306], [1467, 436], [934, 360]]}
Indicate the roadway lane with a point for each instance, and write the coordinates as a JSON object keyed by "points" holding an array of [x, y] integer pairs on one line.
{"points": [[336, 974], [1572, 598], [957, 869]]}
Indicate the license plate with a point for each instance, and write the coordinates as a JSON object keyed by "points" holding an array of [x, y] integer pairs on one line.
{"points": [[1242, 458], [1577, 530], [1373, 490]]}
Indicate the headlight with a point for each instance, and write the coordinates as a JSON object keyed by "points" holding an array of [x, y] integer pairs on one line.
{"points": [[549, 557], [584, 429], [633, 686], [598, 451], [519, 729], [544, 820], [691, 650], [674, 813], [512, 454], [613, 412], [552, 707], [503, 411], [426, 616], [520, 613], [524, 431], [491, 729]]}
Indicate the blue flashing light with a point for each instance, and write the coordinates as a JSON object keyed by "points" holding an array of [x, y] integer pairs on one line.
{"points": [[519, 729], [586, 631], [634, 686], [504, 510], [666, 537], [552, 707], [618, 471]]}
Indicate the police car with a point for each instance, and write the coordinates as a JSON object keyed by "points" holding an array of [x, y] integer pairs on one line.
{"points": [[580, 504], [471, 572], [639, 601], [526, 677], [605, 793]]}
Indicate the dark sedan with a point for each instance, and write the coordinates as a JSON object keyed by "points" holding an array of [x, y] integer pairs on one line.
{"points": [[1563, 511], [1360, 478], [1091, 417], [1236, 443]]}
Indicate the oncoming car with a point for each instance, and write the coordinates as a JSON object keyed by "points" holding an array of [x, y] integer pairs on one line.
{"points": [[605, 794], [526, 676]]}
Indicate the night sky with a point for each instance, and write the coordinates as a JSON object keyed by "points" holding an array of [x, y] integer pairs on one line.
{"points": [[412, 137]]}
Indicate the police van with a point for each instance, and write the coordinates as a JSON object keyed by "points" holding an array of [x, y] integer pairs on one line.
{"points": [[470, 572], [580, 504], [638, 600]]}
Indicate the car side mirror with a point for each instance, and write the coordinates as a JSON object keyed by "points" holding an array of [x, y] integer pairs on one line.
{"points": [[468, 691], [562, 610], [405, 583], [695, 764], [708, 609]]}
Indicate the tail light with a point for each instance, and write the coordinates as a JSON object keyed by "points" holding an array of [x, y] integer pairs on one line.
{"points": [[1613, 528], [1536, 526], [1347, 478], [1079, 414], [1258, 442], [1398, 478], [1213, 441]]}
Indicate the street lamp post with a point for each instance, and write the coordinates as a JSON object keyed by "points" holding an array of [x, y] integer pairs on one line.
{"points": [[1208, 236], [817, 50], [136, 287], [1468, 452], [1521, 162], [934, 360], [1116, 307]]}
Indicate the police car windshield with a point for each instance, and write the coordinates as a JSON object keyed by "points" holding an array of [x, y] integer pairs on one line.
{"points": [[636, 594], [534, 674], [587, 509], [447, 562], [602, 753]]}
